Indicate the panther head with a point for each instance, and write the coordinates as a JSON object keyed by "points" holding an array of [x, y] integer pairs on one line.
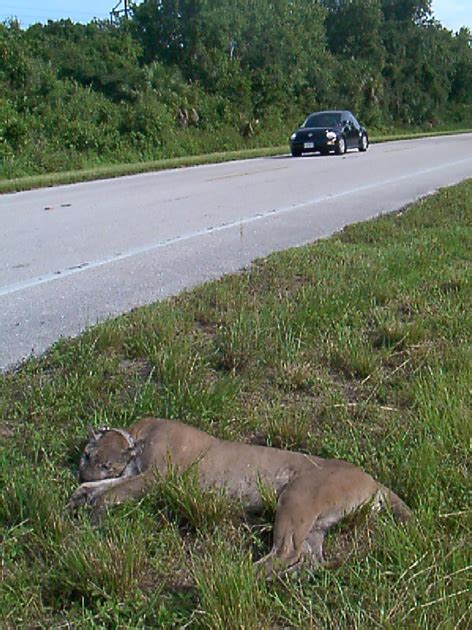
{"points": [[109, 453]]}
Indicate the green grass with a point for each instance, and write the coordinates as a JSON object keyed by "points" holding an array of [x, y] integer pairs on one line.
{"points": [[358, 347], [119, 170]]}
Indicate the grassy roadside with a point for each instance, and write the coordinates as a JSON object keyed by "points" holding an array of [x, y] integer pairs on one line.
{"points": [[120, 170], [357, 347]]}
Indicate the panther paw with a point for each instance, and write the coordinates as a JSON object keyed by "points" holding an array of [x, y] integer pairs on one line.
{"points": [[84, 495]]}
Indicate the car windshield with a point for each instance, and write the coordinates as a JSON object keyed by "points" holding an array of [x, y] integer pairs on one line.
{"points": [[324, 119]]}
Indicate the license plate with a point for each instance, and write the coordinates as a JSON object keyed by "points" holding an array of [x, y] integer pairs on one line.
{"points": [[309, 145]]}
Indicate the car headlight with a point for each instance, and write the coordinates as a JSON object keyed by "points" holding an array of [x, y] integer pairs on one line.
{"points": [[293, 136], [330, 135]]}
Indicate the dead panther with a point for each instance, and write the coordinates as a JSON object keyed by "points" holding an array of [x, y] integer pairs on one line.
{"points": [[313, 493]]}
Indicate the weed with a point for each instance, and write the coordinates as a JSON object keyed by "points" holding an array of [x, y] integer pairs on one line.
{"points": [[181, 495], [230, 594]]}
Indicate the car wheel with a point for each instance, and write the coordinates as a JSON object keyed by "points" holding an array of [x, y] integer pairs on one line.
{"points": [[296, 152], [340, 146], [363, 143]]}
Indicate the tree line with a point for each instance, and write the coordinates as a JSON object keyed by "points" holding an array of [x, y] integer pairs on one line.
{"points": [[193, 76]]}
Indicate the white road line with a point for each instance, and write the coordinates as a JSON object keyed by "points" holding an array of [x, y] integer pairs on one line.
{"points": [[144, 249]]}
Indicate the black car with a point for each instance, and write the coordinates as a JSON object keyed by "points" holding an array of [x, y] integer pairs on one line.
{"points": [[335, 131]]}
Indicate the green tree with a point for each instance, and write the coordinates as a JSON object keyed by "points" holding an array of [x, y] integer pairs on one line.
{"points": [[354, 30], [96, 54], [417, 11]]}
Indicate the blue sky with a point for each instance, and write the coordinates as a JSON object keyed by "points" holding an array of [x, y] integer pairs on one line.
{"points": [[451, 13]]}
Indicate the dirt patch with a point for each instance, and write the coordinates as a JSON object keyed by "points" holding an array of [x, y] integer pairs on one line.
{"points": [[135, 367], [5, 432]]}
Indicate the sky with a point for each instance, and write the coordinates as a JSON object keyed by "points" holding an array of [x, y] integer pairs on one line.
{"points": [[451, 13]]}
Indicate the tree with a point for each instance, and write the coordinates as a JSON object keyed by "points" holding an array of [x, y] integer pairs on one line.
{"points": [[95, 54], [417, 11], [354, 30]]}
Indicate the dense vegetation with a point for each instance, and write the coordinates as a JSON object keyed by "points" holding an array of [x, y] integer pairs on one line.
{"points": [[192, 76], [358, 347]]}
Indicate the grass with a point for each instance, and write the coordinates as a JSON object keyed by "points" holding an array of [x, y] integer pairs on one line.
{"points": [[119, 170], [358, 347]]}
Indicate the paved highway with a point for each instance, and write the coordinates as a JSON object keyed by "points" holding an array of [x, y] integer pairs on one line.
{"points": [[74, 255]]}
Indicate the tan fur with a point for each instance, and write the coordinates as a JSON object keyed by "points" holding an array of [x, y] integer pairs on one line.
{"points": [[313, 493]]}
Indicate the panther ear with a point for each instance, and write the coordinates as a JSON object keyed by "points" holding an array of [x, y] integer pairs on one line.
{"points": [[127, 436], [94, 434]]}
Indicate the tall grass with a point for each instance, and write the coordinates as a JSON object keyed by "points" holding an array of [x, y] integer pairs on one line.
{"points": [[229, 592]]}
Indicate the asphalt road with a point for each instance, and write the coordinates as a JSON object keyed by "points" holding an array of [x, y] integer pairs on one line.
{"points": [[74, 255]]}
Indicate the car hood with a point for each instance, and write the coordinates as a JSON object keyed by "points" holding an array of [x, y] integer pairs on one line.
{"points": [[314, 132]]}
